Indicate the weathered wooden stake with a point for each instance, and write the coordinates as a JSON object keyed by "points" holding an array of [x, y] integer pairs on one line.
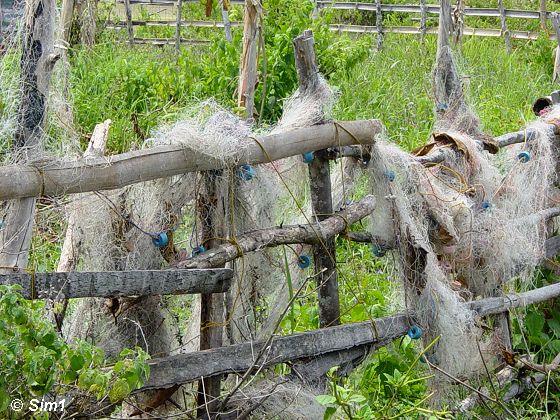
{"points": [[445, 25], [324, 254], [458, 18], [37, 61], [555, 18], [542, 11], [213, 212], [224, 6], [248, 69], [379, 24], [423, 17], [130, 29], [66, 16], [505, 31], [178, 28]]}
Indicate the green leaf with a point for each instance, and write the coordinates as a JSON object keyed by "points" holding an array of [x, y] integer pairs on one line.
{"points": [[534, 323], [119, 391], [77, 362], [4, 400], [325, 399], [329, 413]]}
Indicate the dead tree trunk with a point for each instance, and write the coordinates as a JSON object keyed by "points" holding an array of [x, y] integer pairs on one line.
{"points": [[213, 214], [324, 254], [248, 72], [37, 61]]}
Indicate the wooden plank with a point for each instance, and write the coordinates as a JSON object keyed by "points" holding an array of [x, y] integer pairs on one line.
{"points": [[70, 285], [166, 41], [484, 32], [53, 177], [430, 8], [295, 234], [173, 23], [238, 358]]}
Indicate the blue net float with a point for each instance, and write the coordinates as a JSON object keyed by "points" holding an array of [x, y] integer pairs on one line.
{"points": [[160, 240]]}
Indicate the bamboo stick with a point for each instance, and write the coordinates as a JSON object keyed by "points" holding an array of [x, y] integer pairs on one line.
{"points": [[53, 177]]}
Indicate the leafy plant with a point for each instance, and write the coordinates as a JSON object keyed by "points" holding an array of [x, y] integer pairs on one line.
{"points": [[36, 360]]}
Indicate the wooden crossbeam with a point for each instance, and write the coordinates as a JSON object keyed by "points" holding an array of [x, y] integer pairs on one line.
{"points": [[53, 177], [172, 23], [467, 31], [430, 8], [238, 358], [119, 283]]}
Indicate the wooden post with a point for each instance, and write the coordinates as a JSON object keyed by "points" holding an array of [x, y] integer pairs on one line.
{"points": [[178, 28], [423, 16], [324, 254], [555, 18], [248, 69], [505, 31], [445, 25], [224, 6], [379, 24], [37, 62], [458, 18], [213, 214], [130, 29], [542, 11]]}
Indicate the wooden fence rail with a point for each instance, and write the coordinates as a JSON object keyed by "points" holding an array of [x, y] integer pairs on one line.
{"points": [[53, 177], [237, 359], [119, 283]]}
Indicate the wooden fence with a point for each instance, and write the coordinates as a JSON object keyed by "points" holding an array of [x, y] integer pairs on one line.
{"points": [[422, 11], [331, 344]]}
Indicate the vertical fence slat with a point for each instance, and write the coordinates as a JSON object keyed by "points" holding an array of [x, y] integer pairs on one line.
{"points": [[423, 16], [248, 70], [379, 24], [178, 27], [542, 11], [505, 31], [324, 254], [224, 7], [213, 215], [458, 21], [130, 29], [445, 25], [555, 18]]}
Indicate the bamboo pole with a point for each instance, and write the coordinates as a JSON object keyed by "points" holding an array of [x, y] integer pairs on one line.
{"points": [[248, 69], [52, 177], [324, 254]]}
